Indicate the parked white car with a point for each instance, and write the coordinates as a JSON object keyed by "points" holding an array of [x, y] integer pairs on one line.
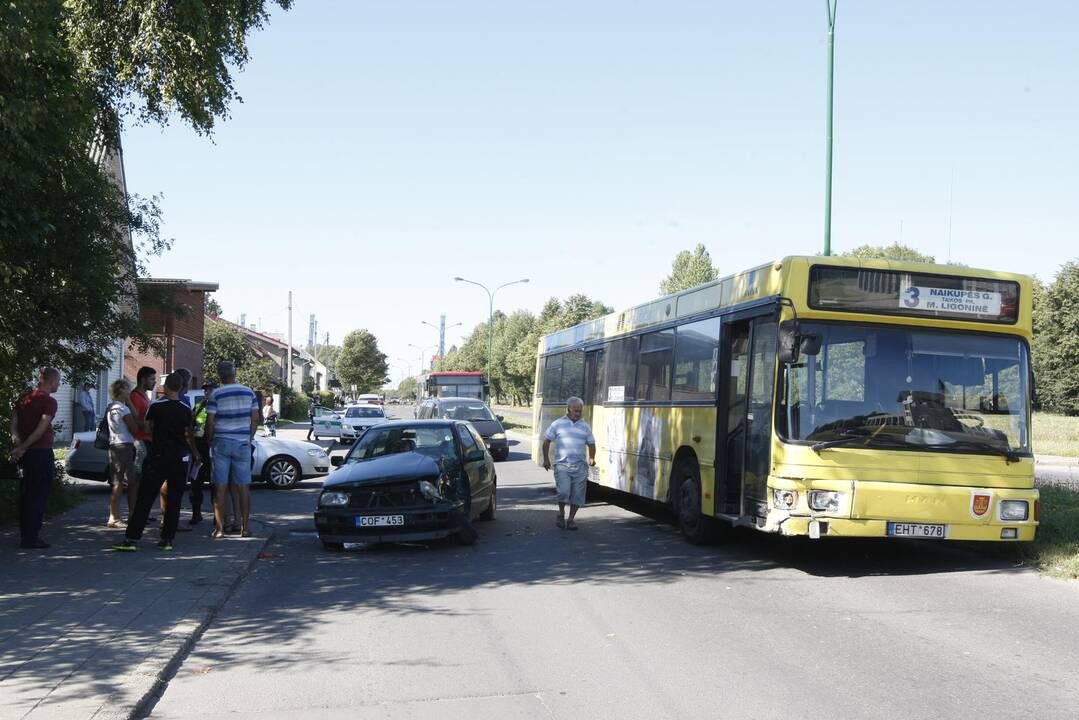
{"points": [[358, 418], [278, 462]]}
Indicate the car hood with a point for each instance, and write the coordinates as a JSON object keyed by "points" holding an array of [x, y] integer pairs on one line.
{"points": [[388, 468], [366, 422], [274, 445], [487, 428]]}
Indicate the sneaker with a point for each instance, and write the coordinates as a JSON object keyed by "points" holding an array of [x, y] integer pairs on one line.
{"points": [[38, 544], [164, 545], [125, 546]]}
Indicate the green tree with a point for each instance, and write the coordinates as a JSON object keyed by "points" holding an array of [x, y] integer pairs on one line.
{"points": [[1056, 341], [896, 252], [327, 355], [224, 341], [689, 269], [361, 363], [408, 389], [71, 72]]}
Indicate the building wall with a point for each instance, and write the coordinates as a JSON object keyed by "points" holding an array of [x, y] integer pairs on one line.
{"points": [[67, 396]]}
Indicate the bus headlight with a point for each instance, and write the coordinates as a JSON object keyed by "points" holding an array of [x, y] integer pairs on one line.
{"points": [[824, 500], [1014, 509], [785, 499]]}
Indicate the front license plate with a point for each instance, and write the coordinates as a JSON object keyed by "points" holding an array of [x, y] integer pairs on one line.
{"points": [[917, 530], [380, 520]]}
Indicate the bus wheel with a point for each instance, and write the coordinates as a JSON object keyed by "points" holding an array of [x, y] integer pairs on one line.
{"points": [[696, 527]]}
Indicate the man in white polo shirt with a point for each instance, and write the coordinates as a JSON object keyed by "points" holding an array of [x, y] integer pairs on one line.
{"points": [[570, 435]]}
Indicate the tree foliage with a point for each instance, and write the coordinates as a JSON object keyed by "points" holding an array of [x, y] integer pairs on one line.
{"points": [[689, 269], [361, 363], [1056, 341], [71, 73], [224, 341], [516, 337], [896, 252], [327, 355], [408, 389]]}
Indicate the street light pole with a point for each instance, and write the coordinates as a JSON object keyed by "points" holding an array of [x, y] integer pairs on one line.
{"points": [[828, 142], [490, 315], [441, 327]]}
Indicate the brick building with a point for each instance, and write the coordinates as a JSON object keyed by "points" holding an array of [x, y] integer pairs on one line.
{"points": [[182, 337]]}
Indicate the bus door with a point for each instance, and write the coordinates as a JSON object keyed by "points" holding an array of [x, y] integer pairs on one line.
{"points": [[595, 385], [744, 427]]}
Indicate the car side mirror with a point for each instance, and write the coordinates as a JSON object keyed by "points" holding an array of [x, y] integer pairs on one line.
{"points": [[792, 343], [500, 418], [474, 455], [810, 344], [337, 460]]}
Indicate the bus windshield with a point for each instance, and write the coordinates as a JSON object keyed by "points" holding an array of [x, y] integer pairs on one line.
{"points": [[908, 389]]}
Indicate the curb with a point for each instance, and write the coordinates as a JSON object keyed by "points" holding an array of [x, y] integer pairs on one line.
{"points": [[149, 679]]}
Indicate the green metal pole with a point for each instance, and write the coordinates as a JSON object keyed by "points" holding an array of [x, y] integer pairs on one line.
{"points": [[828, 151]]}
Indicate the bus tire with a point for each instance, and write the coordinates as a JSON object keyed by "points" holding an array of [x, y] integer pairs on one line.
{"points": [[698, 529]]}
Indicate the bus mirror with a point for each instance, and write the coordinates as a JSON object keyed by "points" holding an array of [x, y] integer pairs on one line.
{"points": [[810, 344], [789, 341]]}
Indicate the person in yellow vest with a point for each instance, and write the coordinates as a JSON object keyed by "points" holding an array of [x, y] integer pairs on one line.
{"points": [[202, 471]]}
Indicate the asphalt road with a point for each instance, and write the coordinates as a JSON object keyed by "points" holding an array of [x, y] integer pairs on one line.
{"points": [[625, 620]]}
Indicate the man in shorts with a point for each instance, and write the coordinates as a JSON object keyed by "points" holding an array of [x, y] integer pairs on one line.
{"points": [[232, 418], [570, 435]]}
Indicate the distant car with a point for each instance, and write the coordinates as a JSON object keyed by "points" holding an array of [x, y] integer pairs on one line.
{"points": [[278, 462], [408, 480], [395, 401], [475, 412], [358, 418]]}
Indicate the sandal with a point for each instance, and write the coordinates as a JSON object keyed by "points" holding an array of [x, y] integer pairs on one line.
{"points": [[217, 535], [115, 524], [245, 533]]}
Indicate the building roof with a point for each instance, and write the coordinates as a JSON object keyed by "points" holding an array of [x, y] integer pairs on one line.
{"points": [[194, 285]]}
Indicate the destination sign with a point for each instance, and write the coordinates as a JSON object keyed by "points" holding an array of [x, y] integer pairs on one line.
{"points": [[950, 300]]}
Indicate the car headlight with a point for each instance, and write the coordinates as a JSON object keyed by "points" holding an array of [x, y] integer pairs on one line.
{"points": [[333, 498], [1014, 510], [429, 491], [498, 436], [317, 453], [824, 500]]}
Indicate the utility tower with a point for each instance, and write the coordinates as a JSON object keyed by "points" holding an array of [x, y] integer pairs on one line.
{"points": [[312, 332]]}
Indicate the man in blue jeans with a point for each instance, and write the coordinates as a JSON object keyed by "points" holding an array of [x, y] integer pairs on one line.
{"points": [[232, 416], [32, 436]]}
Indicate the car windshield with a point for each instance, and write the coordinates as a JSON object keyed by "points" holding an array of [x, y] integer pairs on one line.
{"points": [[432, 440], [908, 389], [364, 412], [464, 410]]}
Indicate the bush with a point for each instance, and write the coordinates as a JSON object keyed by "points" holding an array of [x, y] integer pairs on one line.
{"points": [[293, 404]]}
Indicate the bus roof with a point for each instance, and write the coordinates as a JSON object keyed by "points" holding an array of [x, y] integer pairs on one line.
{"points": [[454, 373], [785, 277]]}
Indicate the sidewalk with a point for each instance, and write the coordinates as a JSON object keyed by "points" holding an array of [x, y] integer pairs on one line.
{"points": [[90, 633]]}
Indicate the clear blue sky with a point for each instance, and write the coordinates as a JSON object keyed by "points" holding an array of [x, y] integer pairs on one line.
{"points": [[383, 148]]}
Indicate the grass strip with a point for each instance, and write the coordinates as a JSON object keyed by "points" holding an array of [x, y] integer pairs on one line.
{"points": [[1055, 435], [1055, 550]]}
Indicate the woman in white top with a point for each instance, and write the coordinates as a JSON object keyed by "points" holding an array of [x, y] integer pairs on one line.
{"points": [[122, 426], [269, 416]]}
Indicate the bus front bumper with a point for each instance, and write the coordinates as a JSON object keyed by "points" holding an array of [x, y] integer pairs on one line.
{"points": [[908, 510]]}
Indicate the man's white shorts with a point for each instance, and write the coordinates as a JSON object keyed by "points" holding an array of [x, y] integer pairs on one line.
{"points": [[570, 480]]}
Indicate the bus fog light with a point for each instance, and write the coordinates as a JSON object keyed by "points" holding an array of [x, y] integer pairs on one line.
{"points": [[784, 499], [824, 500], [1013, 510], [1009, 533]]}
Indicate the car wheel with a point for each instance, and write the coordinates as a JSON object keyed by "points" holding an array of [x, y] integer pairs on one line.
{"points": [[281, 472], [500, 454], [335, 546], [489, 512]]}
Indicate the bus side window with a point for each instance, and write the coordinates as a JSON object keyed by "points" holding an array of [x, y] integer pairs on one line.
{"points": [[552, 379], [622, 369], [695, 360]]}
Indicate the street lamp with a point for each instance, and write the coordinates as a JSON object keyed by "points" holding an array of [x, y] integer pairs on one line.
{"points": [[490, 315], [422, 351]]}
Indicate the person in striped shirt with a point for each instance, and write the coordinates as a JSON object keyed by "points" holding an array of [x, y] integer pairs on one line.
{"points": [[232, 416], [570, 435]]}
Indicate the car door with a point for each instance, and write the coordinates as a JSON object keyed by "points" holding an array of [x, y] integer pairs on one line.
{"points": [[488, 474], [326, 423], [474, 459]]}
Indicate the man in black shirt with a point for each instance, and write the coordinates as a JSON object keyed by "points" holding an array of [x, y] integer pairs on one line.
{"points": [[169, 421]]}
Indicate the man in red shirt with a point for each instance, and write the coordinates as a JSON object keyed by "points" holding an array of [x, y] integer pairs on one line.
{"points": [[145, 381], [31, 432]]}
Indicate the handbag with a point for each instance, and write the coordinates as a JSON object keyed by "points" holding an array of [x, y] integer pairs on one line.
{"points": [[101, 441]]}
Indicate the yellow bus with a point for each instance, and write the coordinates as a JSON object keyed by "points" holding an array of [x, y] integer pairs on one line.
{"points": [[819, 396]]}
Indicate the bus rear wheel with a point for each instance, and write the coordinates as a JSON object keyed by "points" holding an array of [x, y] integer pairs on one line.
{"points": [[697, 528]]}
